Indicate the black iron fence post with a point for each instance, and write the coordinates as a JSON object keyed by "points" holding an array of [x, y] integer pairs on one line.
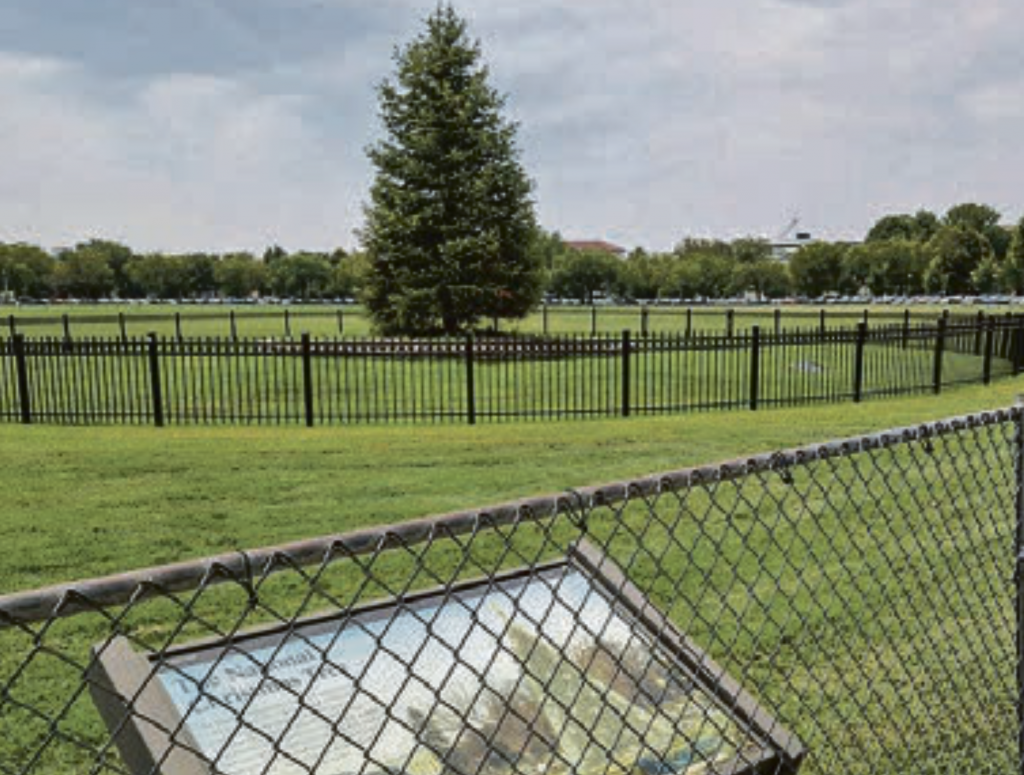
{"points": [[544, 315], [12, 324], [858, 363], [177, 326], [1018, 349], [626, 352], [1018, 575], [288, 323], [644, 322], [821, 320], [990, 335], [906, 328], [470, 383], [593, 319], [234, 325], [341, 321], [307, 378], [940, 348], [122, 325], [66, 322], [689, 322], [867, 314], [979, 333], [778, 322], [21, 364], [755, 366], [155, 384], [1007, 346], [730, 322]]}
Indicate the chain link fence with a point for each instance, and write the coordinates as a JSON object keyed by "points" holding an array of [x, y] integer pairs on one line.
{"points": [[844, 608]]}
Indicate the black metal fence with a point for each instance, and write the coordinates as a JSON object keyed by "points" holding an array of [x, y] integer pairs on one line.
{"points": [[846, 608], [165, 380]]}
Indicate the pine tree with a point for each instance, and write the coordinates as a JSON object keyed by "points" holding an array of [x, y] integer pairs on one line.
{"points": [[450, 225]]}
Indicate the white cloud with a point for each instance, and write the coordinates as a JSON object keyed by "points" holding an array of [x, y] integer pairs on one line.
{"points": [[185, 162], [641, 122]]}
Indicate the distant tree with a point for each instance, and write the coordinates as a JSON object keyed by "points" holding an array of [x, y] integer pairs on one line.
{"points": [[701, 246], [893, 267], [682, 280], [200, 273], [450, 220], [954, 253], [859, 265], [707, 275], [117, 257], [817, 268], [25, 270], [751, 250], [348, 277], [239, 275], [971, 215], [767, 279], [919, 227], [984, 220], [549, 248], [158, 276], [273, 254], [927, 224], [302, 275], [987, 276], [84, 271], [581, 274], [892, 227], [1012, 276], [641, 276]]}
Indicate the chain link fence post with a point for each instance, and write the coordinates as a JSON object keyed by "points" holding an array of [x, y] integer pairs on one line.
{"points": [[1018, 574]]}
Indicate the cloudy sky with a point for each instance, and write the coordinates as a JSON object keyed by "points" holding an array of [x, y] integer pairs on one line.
{"points": [[224, 124]]}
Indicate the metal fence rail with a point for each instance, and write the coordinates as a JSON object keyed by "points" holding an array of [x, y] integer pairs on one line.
{"points": [[313, 381], [843, 608]]}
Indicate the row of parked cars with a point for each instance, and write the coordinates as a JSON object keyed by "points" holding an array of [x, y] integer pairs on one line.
{"points": [[989, 299], [27, 300]]}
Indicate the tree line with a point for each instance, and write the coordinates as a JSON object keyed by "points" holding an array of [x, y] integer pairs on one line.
{"points": [[97, 269], [965, 251]]}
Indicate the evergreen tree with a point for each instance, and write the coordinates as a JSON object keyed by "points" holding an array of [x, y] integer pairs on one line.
{"points": [[450, 224]]}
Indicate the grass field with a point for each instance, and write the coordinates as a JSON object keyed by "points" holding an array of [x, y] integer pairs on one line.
{"points": [[88, 501], [317, 320], [82, 502]]}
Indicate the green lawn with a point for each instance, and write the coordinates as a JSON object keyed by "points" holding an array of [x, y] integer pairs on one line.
{"points": [[324, 320], [81, 502]]}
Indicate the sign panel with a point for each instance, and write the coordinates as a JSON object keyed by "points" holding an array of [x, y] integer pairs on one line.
{"points": [[534, 672]]}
